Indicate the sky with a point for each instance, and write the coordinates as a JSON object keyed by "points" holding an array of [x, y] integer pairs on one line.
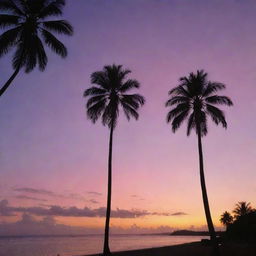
{"points": [[54, 160]]}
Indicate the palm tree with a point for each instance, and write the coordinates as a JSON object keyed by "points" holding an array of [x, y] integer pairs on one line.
{"points": [[195, 99], [242, 208], [226, 218], [28, 23], [105, 99]]}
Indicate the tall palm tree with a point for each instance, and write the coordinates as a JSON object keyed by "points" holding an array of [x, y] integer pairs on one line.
{"points": [[28, 22], [242, 208], [226, 218], [195, 99], [105, 99]]}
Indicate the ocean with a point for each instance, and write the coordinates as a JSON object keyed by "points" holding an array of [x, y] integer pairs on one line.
{"points": [[84, 245]]}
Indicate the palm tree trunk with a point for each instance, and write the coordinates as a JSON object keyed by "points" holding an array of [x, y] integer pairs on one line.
{"points": [[205, 197], [7, 84], [106, 250]]}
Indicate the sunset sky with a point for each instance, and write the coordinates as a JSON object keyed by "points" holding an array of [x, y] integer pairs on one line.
{"points": [[52, 156]]}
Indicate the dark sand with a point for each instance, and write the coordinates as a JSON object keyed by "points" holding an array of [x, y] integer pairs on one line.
{"points": [[192, 249]]}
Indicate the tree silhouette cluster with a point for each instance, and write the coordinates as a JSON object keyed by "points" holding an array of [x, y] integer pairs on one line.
{"points": [[242, 225]]}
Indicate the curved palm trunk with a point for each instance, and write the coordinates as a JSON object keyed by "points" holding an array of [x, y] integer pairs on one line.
{"points": [[205, 198], [8, 83], [106, 250]]}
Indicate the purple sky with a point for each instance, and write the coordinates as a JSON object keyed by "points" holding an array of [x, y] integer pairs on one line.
{"points": [[47, 143]]}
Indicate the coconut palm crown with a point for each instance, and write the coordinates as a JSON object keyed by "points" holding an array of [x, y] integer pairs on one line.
{"points": [[242, 208], [195, 98], [226, 218], [110, 93], [28, 27]]}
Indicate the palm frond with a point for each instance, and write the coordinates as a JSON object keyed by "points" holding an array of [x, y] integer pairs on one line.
{"points": [[223, 100], [95, 111], [8, 39], [18, 59], [134, 100], [182, 107], [129, 111], [8, 20], [41, 55], [36, 54], [128, 85], [122, 73], [191, 123], [176, 100], [179, 91], [94, 91], [59, 26], [212, 87], [52, 9], [203, 124], [100, 78], [178, 120], [111, 113], [57, 46], [31, 55], [217, 115], [9, 5], [93, 100]]}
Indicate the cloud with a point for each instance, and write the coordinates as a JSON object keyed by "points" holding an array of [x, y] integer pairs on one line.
{"points": [[55, 210], [179, 214], [36, 191], [28, 225], [48, 193], [169, 214], [93, 201], [30, 198], [94, 193]]}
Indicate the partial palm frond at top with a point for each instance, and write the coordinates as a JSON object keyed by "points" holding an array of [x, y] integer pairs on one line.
{"points": [[194, 99], [110, 93], [242, 208], [28, 27]]}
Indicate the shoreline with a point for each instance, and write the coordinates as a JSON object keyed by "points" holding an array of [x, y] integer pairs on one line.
{"points": [[190, 249]]}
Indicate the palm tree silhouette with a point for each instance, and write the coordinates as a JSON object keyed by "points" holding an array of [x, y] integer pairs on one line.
{"points": [[28, 20], [226, 218], [242, 208], [104, 101], [194, 98]]}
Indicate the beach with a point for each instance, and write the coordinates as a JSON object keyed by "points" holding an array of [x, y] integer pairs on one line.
{"points": [[192, 249]]}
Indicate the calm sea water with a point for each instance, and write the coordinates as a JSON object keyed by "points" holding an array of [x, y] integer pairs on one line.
{"points": [[84, 245]]}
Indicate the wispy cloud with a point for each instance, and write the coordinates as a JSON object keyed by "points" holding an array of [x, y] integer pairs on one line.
{"points": [[94, 193], [48, 193], [55, 210], [94, 201], [31, 198], [35, 191], [179, 214]]}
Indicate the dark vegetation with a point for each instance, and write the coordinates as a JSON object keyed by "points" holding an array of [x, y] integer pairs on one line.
{"points": [[242, 225]]}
